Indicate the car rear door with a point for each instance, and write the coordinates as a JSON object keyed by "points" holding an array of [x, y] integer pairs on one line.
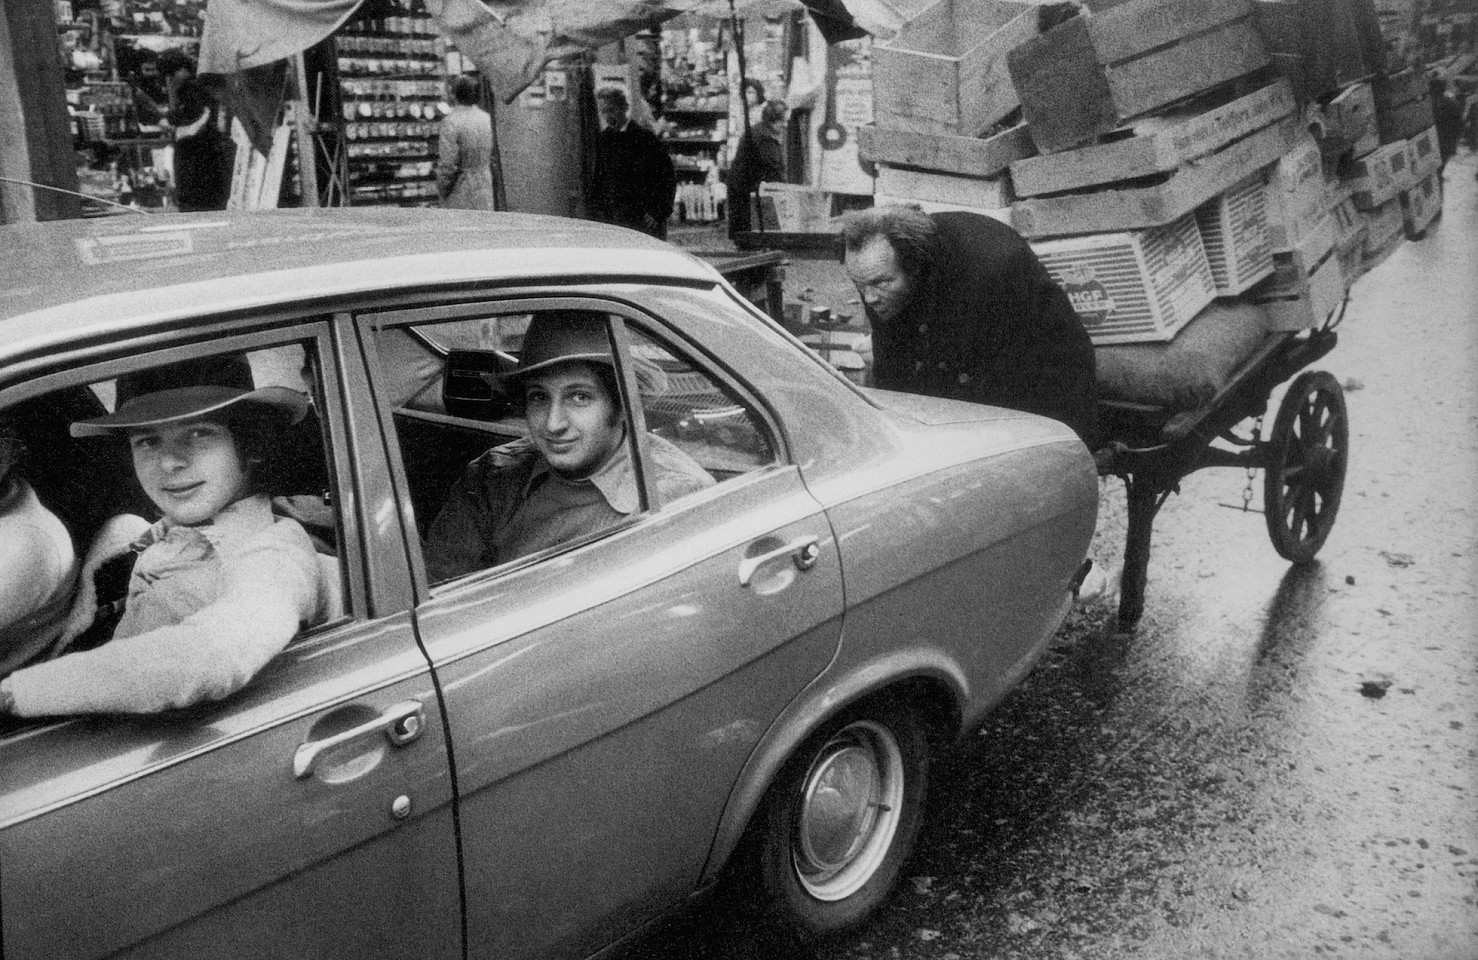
{"points": [[603, 697], [309, 815]]}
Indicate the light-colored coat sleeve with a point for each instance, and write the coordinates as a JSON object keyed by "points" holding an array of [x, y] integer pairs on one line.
{"points": [[270, 587]]}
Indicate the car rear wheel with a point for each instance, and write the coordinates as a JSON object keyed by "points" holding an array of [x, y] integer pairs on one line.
{"points": [[842, 819]]}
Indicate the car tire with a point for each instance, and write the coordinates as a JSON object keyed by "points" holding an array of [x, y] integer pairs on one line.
{"points": [[841, 820]]}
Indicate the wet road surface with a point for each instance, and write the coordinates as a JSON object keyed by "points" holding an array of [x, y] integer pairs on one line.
{"points": [[1281, 761]]}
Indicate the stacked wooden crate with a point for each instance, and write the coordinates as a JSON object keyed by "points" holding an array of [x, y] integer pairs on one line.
{"points": [[1155, 121], [943, 133], [1172, 152]]}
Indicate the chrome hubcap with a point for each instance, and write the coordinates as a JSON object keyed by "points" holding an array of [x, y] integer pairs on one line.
{"points": [[850, 807]]}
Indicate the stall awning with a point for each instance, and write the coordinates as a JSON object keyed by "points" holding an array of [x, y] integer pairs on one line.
{"points": [[510, 40]]}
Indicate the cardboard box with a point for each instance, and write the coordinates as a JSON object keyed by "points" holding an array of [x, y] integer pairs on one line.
{"points": [[944, 72], [1423, 156], [1319, 236], [1383, 233], [992, 192], [1379, 176], [1348, 122], [1089, 74], [1420, 206], [1234, 230], [1297, 193], [1403, 106], [1133, 287], [1350, 230], [790, 208], [1293, 301], [1158, 144]]}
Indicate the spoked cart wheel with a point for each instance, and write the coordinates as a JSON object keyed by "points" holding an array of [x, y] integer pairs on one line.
{"points": [[1305, 465]]}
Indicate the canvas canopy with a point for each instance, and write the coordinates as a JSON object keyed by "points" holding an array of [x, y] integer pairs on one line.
{"points": [[511, 41]]}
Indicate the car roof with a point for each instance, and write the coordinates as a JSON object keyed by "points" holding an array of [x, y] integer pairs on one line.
{"points": [[63, 277]]}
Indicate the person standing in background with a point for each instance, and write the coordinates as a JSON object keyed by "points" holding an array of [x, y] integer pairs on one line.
{"points": [[202, 153], [760, 158], [464, 157], [634, 183], [1447, 117]]}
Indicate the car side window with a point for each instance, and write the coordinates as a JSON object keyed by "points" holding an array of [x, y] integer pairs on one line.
{"points": [[699, 413], [219, 447], [521, 443]]}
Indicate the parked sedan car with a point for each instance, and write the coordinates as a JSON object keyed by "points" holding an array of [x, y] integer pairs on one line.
{"points": [[539, 758]]}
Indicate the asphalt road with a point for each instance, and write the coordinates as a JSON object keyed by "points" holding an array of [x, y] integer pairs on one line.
{"points": [[1280, 761]]}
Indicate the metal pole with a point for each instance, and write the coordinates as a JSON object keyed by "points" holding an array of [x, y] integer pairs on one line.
{"points": [[738, 29], [305, 124]]}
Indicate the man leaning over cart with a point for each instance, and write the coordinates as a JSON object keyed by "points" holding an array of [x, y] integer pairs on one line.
{"points": [[961, 308]]}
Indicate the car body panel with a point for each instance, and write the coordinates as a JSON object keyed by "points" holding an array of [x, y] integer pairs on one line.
{"points": [[601, 722], [584, 729]]}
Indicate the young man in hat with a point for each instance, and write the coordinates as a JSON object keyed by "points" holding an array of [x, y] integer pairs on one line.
{"points": [[573, 474], [220, 585]]}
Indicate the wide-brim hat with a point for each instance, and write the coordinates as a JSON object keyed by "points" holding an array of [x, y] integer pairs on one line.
{"points": [[187, 390], [555, 338], [560, 337]]}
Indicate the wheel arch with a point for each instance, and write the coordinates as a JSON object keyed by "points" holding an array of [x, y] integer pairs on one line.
{"points": [[935, 691]]}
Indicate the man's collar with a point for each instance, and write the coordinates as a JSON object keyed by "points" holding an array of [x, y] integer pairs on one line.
{"points": [[615, 479]]}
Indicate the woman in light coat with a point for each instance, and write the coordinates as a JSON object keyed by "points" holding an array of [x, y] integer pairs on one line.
{"points": [[464, 178]]}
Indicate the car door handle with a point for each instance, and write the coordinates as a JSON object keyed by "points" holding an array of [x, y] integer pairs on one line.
{"points": [[807, 551], [401, 723]]}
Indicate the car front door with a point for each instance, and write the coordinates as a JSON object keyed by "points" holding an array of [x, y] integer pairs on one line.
{"points": [[603, 696], [309, 815]]}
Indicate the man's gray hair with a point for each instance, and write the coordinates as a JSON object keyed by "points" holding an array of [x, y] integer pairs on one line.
{"points": [[909, 230]]}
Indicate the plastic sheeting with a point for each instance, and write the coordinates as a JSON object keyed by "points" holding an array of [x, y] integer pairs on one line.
{"points": [[511, 41]]}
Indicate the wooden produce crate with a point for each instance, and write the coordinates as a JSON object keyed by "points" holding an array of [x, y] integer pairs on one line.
{"points": [[1379, 176], [1297, 193], [1316, 44], [1403, 106], [1088, 75], [1292, 300], [1131, 206], [1234, 231], [945, 70], [1347, 122], [1155, 145], [1002, 214], [909, 184], [966, 156], [1420, 206], [1133, 287]]}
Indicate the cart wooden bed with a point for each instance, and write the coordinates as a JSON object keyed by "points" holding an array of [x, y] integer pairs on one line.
{"points": [[1303, 457]]}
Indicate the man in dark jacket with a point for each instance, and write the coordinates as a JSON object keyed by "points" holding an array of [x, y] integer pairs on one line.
{"points": [[759, 159], [634, 183], [961, 308], [202, 153]]}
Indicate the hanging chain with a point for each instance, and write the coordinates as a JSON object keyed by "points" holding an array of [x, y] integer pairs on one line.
{"points": [[1251, 471]]}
